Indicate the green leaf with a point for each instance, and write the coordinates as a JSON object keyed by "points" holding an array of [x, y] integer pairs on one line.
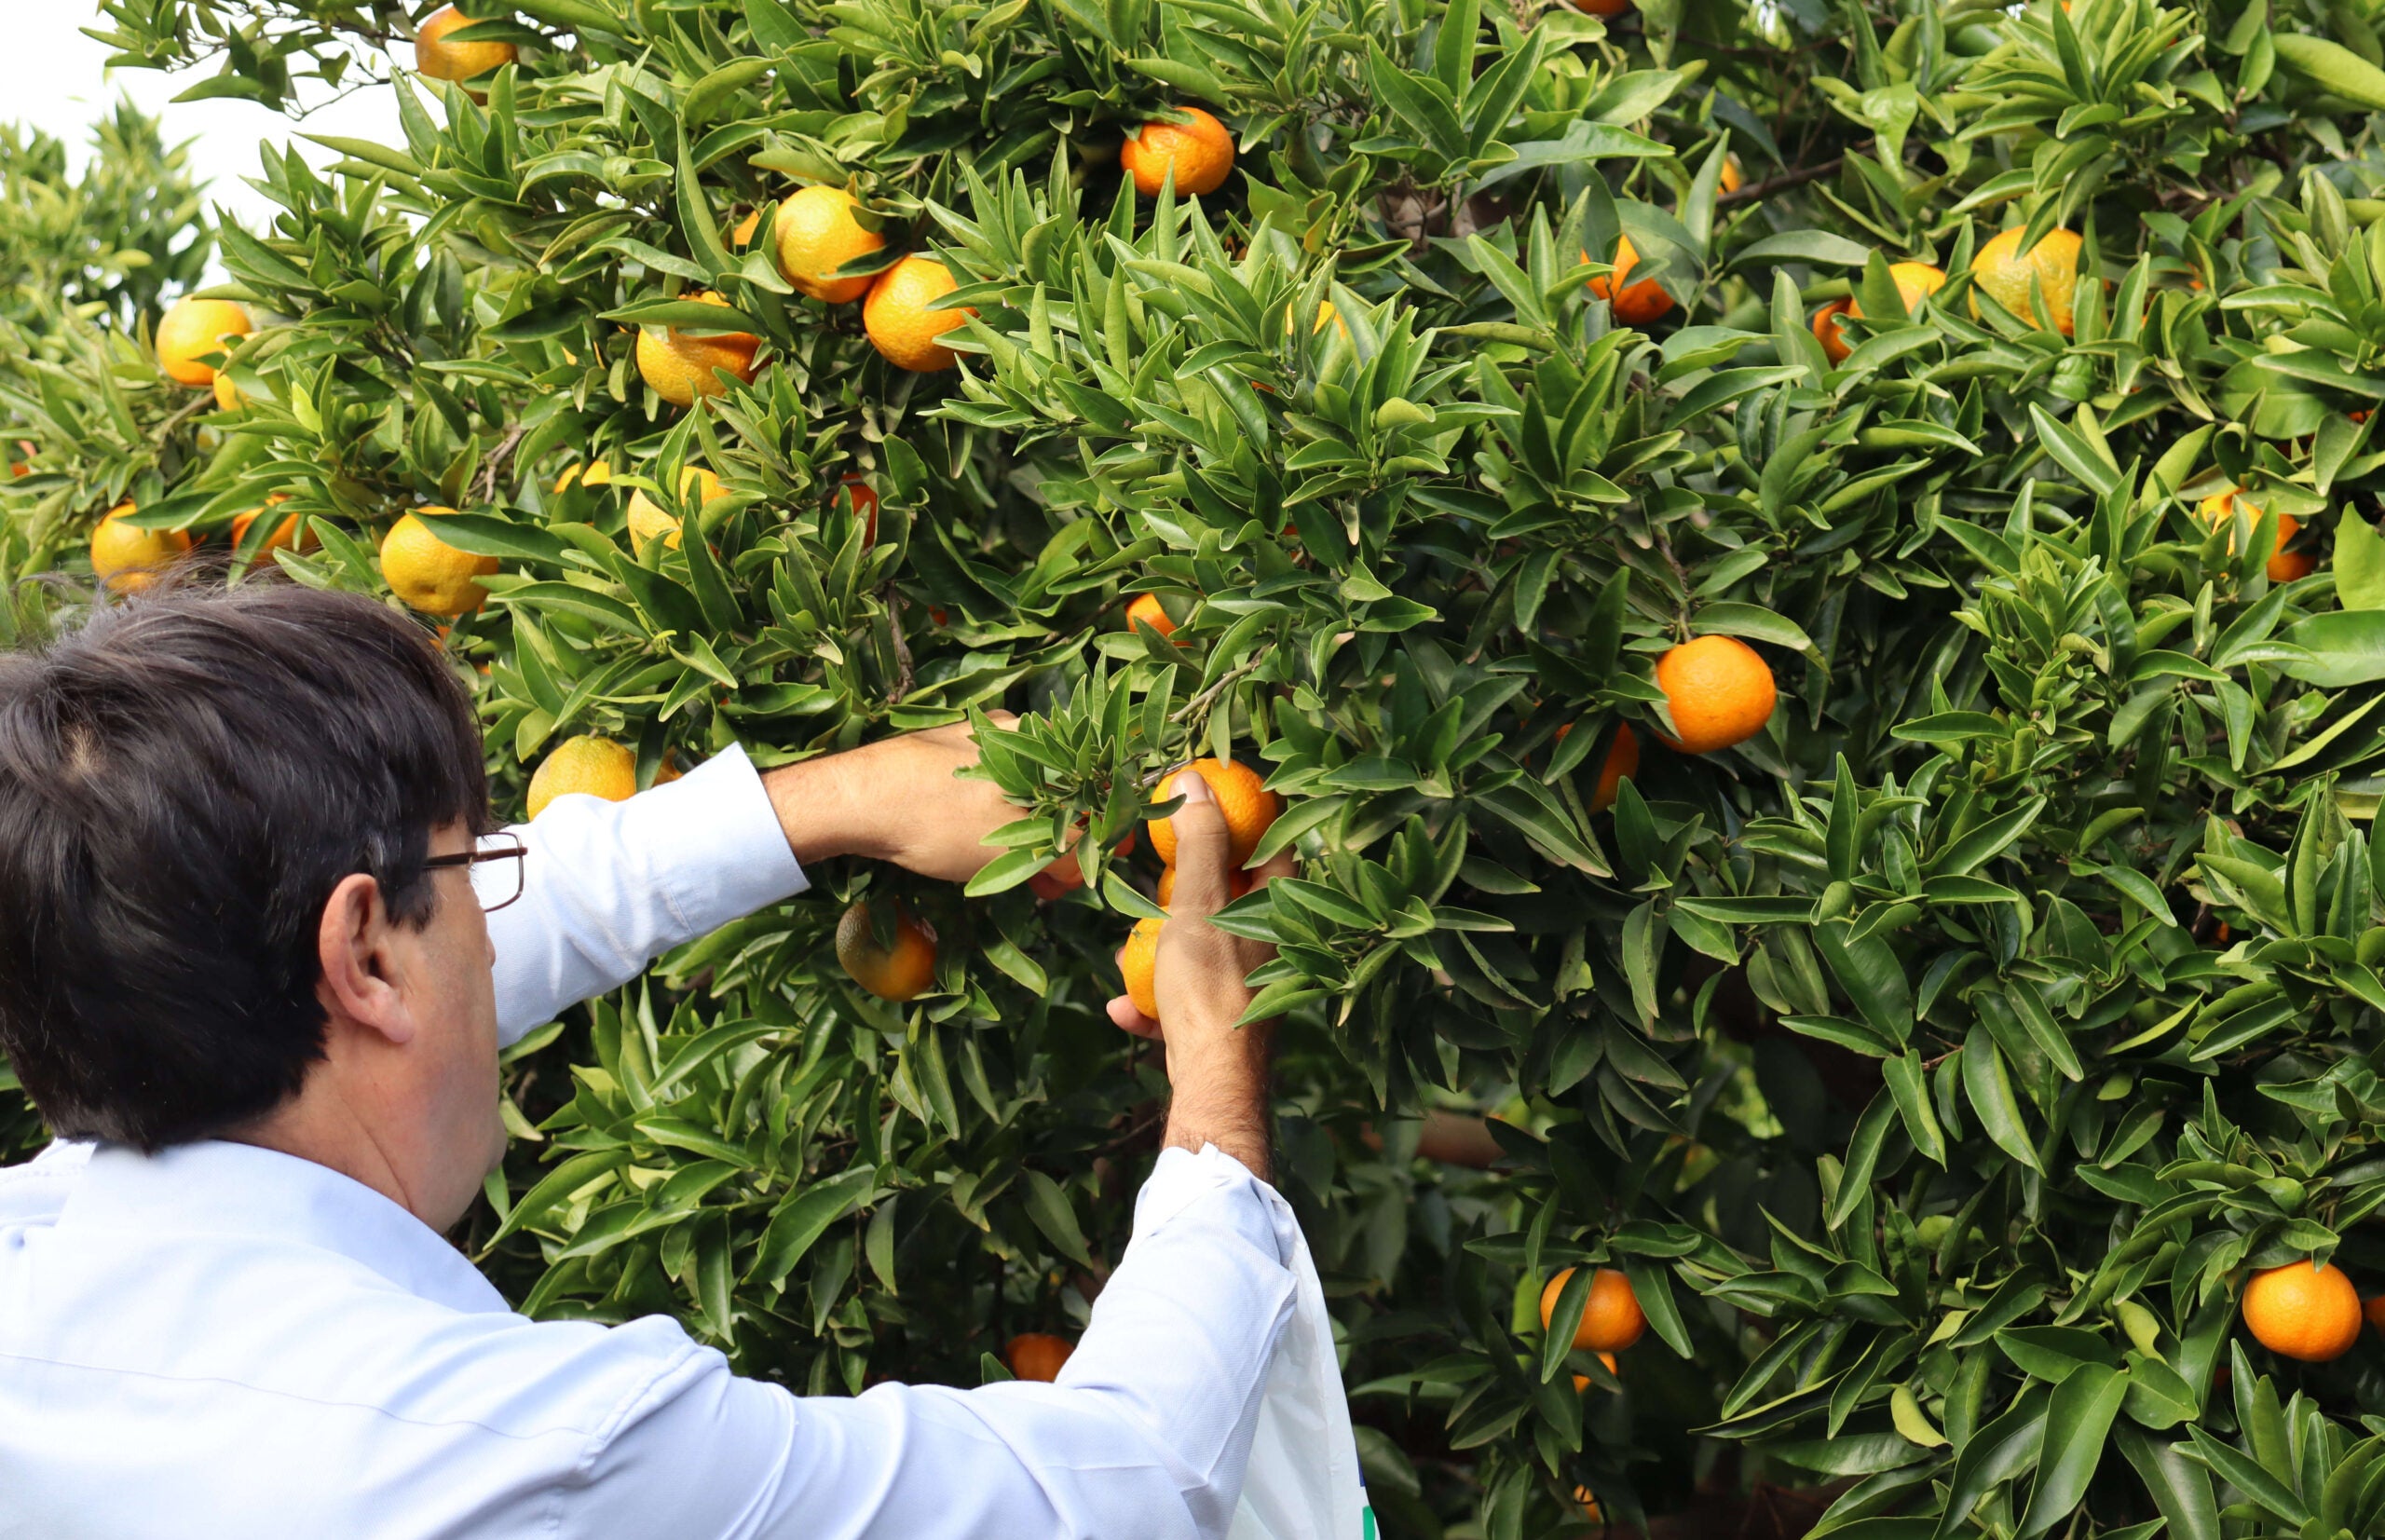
{"points": [[1052, 1214], [2078, 1420], [804, 1217]]}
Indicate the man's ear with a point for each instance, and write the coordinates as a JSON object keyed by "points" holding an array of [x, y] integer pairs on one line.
{"points": [[353, 946]]}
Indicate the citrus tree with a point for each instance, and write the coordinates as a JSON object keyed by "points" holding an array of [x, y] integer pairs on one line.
{"points": [[1799, 577]]}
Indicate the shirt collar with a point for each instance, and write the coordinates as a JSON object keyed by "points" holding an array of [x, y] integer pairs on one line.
{"points": [[217, 1188]]}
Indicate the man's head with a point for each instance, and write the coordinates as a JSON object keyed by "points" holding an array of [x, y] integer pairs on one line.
{"points": [[215, 805]]}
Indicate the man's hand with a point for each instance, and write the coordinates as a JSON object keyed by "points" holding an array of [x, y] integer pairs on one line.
{"points": [[897, 799], [1220, 1072]]}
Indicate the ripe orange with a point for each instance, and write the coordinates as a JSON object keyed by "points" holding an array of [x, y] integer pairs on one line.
{"points": [[1733, 179], [1324, 312], [2285, 566], [1611, 1318], [1915, 281], [1720, 692], [284, 538], [1590, 1504], [1038, 1355], [861, 498], [428, 573], [680, 367], [598, 473], [1148, 610], [1242, 797], [897, 318], [441, 59], [228, 396], [1201, 154], [1826, 330], [648, 519], [128, 559], [1635, 303], [897, 973], [1622, 760], [2374, 1308], [1139, 964], [2303, 1312], [193, 328], [743, 236], [2004, 273], [590, 764], [817, 233]]}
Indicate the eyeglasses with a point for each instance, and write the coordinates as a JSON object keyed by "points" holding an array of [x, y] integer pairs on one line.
{"points": [[499, 885]]}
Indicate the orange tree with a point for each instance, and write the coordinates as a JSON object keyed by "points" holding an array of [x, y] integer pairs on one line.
{"points": [[1988, 387]]}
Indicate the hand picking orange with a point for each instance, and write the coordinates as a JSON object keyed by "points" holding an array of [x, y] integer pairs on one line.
{"points": [[1242, 796]]}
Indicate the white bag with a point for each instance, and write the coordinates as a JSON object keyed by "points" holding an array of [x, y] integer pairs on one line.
{"points": [[1303, 1482]]}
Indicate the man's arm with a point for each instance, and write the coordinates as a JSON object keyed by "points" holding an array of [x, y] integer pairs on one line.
{"points": [[1147, 1432], [609, 886]]}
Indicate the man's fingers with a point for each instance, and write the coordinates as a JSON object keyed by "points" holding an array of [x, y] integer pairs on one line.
{"points": [[1123, 1013], [1202, 847]]}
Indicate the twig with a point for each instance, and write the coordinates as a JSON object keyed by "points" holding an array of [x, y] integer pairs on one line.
{"points": [[1787, 179], [495, 461], [904, 676]]}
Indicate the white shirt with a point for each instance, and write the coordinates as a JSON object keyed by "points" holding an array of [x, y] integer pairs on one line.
{"points": [[223, 1340]]}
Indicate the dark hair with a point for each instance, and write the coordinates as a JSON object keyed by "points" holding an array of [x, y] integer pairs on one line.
{"points": [[184, 776]]}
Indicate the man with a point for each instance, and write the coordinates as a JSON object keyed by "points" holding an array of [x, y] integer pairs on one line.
{"points": [[248, 974]]}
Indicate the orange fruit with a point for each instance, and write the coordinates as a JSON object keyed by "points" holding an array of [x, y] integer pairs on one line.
{"points": [[284, 538], [1915, 281], [1610, 1319], [128, 559], [597, 474], [1201, 154], [1826, 330], [863, 499], [193, 328], [1138, 965], [228, 395], [1590, 1504], [1622, 760], [1148, 610], [441, 59], [897, 973], [680, 367], [2285, 566], [648, 519], [817, 233], [590, 765], [428, 573], [1733, 179], [1607, 9], [2374, 1308], [1324, 312], [743, 236], [2005, 273], [1719, 690], [2300, 1311], [1038, 1355], [1581, 1382], [1635, 303], [897, 318], [1242, 797]]}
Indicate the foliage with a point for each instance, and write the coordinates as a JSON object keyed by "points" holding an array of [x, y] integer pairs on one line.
{"points": [[1938, 1063]]}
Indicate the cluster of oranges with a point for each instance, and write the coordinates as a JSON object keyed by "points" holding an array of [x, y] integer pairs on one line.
{"points": [[2013, 278], [1611, 1320]]}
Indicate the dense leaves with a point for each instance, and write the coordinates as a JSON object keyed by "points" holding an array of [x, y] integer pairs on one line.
{"points": [[1938, 1063]]}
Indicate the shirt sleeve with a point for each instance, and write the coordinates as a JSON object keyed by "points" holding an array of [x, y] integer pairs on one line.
{"points": [[1147, 1434], [608, 886]]}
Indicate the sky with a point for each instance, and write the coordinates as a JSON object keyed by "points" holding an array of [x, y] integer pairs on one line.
{"points": [[54, 78]]}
